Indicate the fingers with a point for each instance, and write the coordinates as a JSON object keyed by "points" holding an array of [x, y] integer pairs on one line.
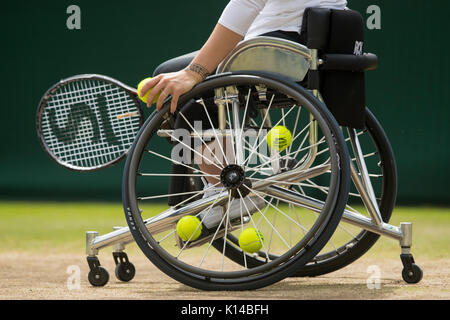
{"points": [[162, 97], [155, 91], [171, 84], [150, 84], [174, 102]]}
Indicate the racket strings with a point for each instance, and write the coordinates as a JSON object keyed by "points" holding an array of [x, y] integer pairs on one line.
{"points": [[86, 130]]}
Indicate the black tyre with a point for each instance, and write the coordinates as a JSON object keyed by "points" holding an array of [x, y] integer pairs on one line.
{"points": [[156, 234], [125, 271], [98, 277], [413, 274]]}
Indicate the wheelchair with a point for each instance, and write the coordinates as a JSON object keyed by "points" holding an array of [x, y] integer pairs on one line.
{"points": [[319, 204]]}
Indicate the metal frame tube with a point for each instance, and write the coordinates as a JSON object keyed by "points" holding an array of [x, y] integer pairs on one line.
{"points": [[364, 185], [368, 203], [406, 241], [237, 132], [348, 216]]}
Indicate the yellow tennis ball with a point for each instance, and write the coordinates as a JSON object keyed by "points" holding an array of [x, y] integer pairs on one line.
{"points": [[139, 88], [279, 138], [250, 240], [189, 228]]}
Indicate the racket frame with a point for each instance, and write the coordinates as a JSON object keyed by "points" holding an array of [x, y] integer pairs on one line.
{"points": [[132, 92]]}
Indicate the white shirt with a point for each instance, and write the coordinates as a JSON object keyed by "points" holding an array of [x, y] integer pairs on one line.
{"points": [[251, 18]]}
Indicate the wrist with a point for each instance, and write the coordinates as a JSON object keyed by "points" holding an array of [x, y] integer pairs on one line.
{"points": [[198, 71]]}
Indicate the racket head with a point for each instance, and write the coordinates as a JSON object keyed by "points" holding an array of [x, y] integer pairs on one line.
{"points": [[88, 122]]}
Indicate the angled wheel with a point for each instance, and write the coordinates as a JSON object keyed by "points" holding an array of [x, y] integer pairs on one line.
{"points": [[248, 187], [349, 243]]}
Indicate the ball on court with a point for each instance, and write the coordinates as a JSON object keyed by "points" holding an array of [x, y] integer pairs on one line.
{"points": [[279, 138], [139, 88], [189, 228], [250, 240]]}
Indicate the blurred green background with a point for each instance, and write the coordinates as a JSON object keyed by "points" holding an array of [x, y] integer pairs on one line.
{"points": [[126, 40]]}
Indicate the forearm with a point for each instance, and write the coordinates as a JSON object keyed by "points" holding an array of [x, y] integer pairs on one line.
{"points": [[218, 46]]}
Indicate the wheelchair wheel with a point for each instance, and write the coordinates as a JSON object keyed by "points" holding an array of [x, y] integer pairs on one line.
{"points": [[350, 243], [254, 186]]}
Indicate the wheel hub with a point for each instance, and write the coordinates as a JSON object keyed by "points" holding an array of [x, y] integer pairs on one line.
{"points": [[232, 176]]}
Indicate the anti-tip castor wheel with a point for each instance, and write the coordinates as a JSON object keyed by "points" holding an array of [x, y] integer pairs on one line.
{"points": [[125, 271], [413, 274], [98, 277]]}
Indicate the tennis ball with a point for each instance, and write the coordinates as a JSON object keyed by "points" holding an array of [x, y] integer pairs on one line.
{"points": [[189, 228], [250, 240], [139, 88], [279, 138]]}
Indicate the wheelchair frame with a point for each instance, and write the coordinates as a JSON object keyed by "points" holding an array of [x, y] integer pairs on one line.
{"points": [[252, 51]]}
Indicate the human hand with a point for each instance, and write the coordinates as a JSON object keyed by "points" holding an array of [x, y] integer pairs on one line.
{"points": [[174, 84]]}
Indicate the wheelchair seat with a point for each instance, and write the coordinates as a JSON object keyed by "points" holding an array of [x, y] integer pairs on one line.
{"points": [[269, 54]]}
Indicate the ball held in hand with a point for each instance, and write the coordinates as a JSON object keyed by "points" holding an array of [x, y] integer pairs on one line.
{"points": [[250, 240], [279, 138], [189, 228], [139, 88]]}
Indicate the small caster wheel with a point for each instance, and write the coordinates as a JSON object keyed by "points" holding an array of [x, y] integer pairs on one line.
{"points": [[125, 271], [413, 274], [98, 277]]}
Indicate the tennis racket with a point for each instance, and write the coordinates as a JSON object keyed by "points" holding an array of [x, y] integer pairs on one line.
{"points": [[88, 122]]}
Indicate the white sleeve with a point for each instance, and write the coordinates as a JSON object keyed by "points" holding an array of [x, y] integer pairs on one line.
{"points": [[239, 15]]}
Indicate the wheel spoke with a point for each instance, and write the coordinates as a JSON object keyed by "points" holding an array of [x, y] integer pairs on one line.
{"points": [[175, 194], [274, 221], [265, 218], [265, 136], [212, 240], [197, 134], [195, 170], [227, 214], [259, 130], [295, 125], [253, 222], [201, 222], [214, 130], [176, 175], [195, 151]]}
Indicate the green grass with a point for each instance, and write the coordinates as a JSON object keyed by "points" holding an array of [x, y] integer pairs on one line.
{"points": [[61, 227], [431, 232]]}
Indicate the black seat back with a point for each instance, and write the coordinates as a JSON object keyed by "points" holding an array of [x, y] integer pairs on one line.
{"points": [[338, 34]]}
